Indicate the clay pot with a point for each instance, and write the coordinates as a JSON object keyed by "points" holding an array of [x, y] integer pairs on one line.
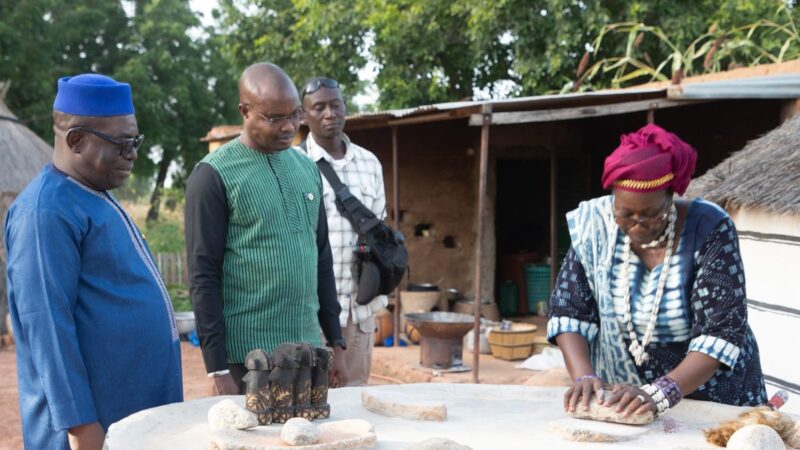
{"points": [[412, 333], [384, 326], [488, 310], [418, 301]]}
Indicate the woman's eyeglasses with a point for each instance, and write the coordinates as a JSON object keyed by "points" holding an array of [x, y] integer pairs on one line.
{"points": [[127, 146], [315, 84], [647, 222]]}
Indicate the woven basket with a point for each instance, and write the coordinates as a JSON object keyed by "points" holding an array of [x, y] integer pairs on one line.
{"points": [[516, 343]]}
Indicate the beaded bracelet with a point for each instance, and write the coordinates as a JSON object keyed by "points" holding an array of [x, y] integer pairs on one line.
{"points": [[665, 392], [661, 401], [586, 377], [670, 389]]}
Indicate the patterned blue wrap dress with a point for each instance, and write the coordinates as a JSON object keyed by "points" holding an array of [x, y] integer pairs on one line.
{"points": [[703, 307]]}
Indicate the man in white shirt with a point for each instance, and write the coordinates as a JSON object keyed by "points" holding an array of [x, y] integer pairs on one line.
{"points": [[359, 169]]}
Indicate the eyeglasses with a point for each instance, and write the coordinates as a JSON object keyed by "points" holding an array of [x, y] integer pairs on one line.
{"points": [[127, 146], [647, 222], [315, 84], [276, 120]]}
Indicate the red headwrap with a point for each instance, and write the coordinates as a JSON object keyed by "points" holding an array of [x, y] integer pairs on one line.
{"points": [[650, 159]]}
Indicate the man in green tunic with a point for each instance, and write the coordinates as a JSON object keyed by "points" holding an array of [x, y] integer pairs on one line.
{"points": [[260, 264]]}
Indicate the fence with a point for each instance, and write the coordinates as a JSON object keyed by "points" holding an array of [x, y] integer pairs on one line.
{"points": [[173, 268]]}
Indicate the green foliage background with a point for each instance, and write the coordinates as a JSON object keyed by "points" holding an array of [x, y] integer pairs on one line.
{"points": [[418, 51]]}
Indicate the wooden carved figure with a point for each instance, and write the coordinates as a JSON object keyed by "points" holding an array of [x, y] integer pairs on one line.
{"points": [[281, 381], [257, 397], [319, 383], [307, 359]]}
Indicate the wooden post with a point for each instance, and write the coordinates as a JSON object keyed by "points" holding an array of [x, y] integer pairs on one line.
{"points": [[482, 180], [396, 209], [553, 214], [651, 113]]}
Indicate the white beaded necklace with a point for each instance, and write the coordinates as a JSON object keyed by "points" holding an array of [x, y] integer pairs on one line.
{"points": [[658, 242], [637, 349]]}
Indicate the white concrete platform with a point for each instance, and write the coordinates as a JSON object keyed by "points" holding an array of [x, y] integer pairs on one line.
{"points": [[481, 416]]}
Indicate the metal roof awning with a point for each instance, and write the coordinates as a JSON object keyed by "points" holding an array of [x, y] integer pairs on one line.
{"points": [[767, 87], [580, 112], [457, 110], [548, 108]]}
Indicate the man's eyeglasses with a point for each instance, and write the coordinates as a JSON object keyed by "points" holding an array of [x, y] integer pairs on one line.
{"points": [[647, 222], [276, 120], [127, 146], [315, 84]]}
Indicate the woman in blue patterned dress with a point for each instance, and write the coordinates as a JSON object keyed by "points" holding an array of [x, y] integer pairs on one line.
{"points": [[650, 300]]}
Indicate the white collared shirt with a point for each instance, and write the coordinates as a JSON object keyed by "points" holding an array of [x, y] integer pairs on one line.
{"points": [[362, 173]]}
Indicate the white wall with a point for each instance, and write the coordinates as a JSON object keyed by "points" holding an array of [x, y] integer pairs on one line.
{"points": [[770, 246]]}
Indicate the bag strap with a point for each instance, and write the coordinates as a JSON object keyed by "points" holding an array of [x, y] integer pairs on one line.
{"points": [[351, 207], [327, 170]]}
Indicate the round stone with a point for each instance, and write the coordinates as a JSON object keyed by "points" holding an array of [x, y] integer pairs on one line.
{"points": [[299, 431], [756, 437], [227, 415]]}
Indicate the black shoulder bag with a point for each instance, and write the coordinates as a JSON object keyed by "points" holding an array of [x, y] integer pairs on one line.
{"points": [[382, 256]]}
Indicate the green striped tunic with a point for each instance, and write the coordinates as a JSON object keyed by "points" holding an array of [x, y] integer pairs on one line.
{"points": [[269, 271]]}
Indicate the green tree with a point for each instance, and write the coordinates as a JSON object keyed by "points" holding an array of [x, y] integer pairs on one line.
{"points": [[772, 39], [306, 38], [180, 83], [180, 87], [549, 37], [426, 54], [43, 40]]}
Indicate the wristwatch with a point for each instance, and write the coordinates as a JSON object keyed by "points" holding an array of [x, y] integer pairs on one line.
{"points": [[338, 343]]}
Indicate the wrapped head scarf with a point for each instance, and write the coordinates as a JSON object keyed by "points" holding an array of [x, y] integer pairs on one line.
{"points": [[648, 160]]}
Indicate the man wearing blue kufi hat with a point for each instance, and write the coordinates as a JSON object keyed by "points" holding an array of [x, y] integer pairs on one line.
{"points": [[94, 326]]}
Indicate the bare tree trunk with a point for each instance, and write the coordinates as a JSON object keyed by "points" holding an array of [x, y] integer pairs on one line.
{"points": [[155, 199]]}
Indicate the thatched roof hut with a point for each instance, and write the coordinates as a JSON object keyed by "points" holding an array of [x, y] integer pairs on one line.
{"points": [[23, 152], [765, 174], [22, 156]]}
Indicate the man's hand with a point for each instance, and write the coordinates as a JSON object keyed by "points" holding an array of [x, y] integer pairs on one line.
{"points": [[87, 437], [224, 385], [337, 375]]}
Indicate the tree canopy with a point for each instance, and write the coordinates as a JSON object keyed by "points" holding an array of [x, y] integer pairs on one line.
{"points": [[414, 51], [181, 86]]}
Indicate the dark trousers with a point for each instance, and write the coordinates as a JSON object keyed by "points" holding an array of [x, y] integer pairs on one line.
{"points": [[238, 371]]}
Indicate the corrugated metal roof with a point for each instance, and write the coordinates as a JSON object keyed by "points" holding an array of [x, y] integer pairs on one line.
{"points": [[740, 86], [773, 86], [512, 104]]}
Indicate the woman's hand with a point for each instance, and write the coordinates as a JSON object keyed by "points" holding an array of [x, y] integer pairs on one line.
{"points": [[629, 400], [582, 392]]}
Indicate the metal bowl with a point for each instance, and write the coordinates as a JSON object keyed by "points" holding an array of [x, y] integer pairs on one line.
{"points": [[440, 324], [452, 294], [422, 287], [185, 322]]}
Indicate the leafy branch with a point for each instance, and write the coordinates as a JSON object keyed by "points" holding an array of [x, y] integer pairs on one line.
{"points": [[764, 41]]}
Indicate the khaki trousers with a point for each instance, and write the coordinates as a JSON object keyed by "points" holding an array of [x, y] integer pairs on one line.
{"points": [[360, 339]]}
